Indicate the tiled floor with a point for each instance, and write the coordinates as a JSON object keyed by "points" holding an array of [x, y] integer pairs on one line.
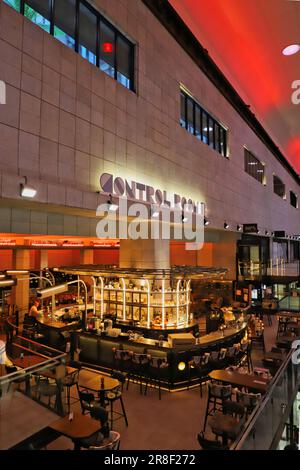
{"points": [[170, 423]]}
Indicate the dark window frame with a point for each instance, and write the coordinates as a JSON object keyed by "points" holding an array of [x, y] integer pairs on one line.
{"points": [[293, 199], [100, 18], [258, 173], [205, 120], [277, 185]]}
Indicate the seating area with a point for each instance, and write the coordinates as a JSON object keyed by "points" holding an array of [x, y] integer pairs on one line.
{"points": [[136, 389]]}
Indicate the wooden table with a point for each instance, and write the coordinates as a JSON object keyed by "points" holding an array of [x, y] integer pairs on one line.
{"points": [[250, 382], [51, 373], [94, 384], [81, 427], [28, 361]]}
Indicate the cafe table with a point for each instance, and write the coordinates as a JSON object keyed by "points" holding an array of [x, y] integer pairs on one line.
{"points": [[249, 382], [79, 427], [28, 361], [94, 384]]}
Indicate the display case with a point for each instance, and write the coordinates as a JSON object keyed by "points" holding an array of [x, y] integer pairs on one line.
{"points": [[146, 298], [150, 302]]}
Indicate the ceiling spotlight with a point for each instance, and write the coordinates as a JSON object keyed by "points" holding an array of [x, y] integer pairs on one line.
{"points": [[226, 225], [111, 206], [292, 49], [206, 222], [27, 191], [239, 228], [267, 233], [258, 232], [184, 218], [155, 213], [272, 234]]}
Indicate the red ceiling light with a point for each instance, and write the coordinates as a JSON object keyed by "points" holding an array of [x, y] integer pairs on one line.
{"points": [[107, 47]]}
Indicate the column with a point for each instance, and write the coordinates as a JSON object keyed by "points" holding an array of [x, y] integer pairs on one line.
{"points": [[20, 293], [148, 254]]}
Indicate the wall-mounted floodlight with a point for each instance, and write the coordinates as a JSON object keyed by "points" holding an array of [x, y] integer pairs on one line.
{"points": [[26, 190]]}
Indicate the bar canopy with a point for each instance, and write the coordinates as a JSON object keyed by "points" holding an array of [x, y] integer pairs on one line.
{"points": [[176, 272]]}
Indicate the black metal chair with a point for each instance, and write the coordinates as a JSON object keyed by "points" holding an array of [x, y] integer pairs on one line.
{"points": [[200, 366], [209, 444], [112, 397], [217, 395], [87, 400], [96, 440]]}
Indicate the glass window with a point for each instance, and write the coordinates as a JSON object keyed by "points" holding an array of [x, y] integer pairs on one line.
{"points": [[14, 4], [204, 127], [87, 40], [65, 21], [278, 186], [190, 115], [223, 143], [39, 12], [182, 109], [254, 167], [123, 62], [107, 49], [211, 134], [293, 199], [217, 136], [198, 122]]}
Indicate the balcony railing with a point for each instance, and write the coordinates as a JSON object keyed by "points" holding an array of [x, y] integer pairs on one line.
{"points": [[266, 424], [274, 267]]}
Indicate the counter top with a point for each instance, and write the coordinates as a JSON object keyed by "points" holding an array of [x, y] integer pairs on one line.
{"points": [[56, 324]]}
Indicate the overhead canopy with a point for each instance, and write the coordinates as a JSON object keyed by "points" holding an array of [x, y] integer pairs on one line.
{"points": [[176, 272]]}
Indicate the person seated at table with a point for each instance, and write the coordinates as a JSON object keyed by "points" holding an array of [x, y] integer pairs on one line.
{"points": [[34, 310]]}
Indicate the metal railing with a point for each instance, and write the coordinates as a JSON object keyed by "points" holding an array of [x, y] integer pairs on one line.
{"points": [[265, 426], [274, 267]]}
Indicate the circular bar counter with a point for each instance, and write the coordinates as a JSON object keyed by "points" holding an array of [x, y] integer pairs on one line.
{"points": [[97, 351]]}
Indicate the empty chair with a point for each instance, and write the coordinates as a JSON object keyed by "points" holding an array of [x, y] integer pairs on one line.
{"points": [[209, 444], [157, 368], [69, 381], [245, 354], [200, 367], [217, 394], [100, 414], [112, 397], [44, 388], [121, 377], [111, 443], [138, 368], [87, 401], [232, 355], [248, 400], [229, 424]]}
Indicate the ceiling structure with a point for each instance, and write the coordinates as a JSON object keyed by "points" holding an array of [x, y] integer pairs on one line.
{"points": [[245, 38]]}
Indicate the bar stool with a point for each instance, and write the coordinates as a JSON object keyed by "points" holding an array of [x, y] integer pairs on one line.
{"points": [[157, 369], [70, 381], [217, 394], [245, 354], [201, 367], [139, 365], [122, 358]]}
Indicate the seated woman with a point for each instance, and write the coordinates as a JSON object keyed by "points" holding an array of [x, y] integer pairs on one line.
{"points": [[35, 311]]}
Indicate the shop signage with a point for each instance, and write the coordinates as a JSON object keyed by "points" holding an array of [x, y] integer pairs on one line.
{"points": [[133, 190], [250, 228]]}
